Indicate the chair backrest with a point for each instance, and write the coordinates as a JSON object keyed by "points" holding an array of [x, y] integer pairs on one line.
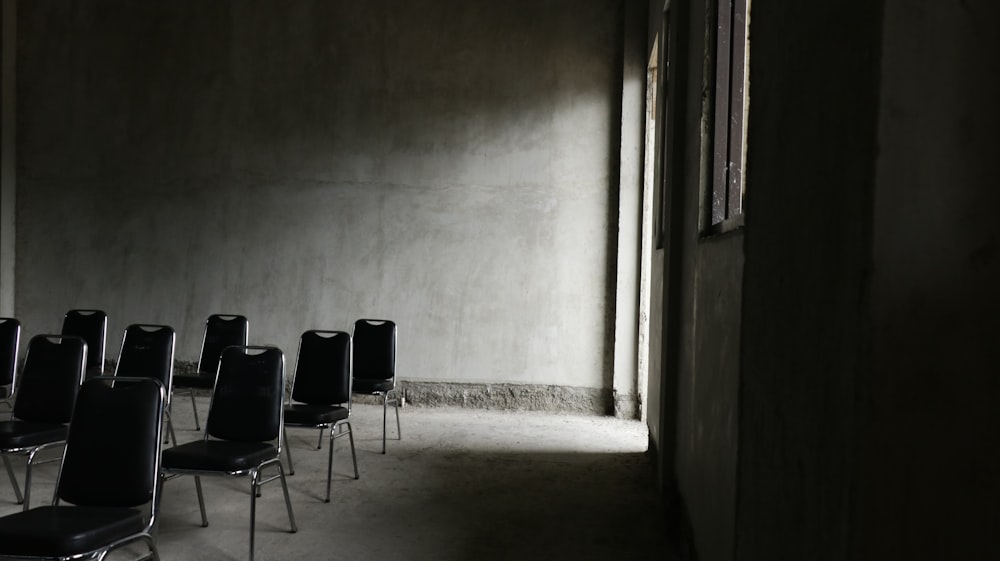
{"points": [[147, 352], [112, 454], [323, 368], [10, 340], [375, 349], [247, 402], [92, 325], [221, 331], [53, 370]]}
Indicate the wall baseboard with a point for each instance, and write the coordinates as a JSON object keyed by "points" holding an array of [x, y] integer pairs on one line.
{"points": [[520, 397]]}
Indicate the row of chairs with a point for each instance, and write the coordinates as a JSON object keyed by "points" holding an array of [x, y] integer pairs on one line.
{"points": [[89, 325], [374, 374], [237, 441], [374, 365]]}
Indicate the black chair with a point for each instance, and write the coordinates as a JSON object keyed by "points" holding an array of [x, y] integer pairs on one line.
{"points": [[375, 365], [109, 478], [92, 326], [243, 433], [10, 341], [43, 405], [221, 331], [147, 351], [321, 392]]}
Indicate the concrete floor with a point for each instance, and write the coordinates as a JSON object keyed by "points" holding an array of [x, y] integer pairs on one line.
{"points": [[463, 484]]}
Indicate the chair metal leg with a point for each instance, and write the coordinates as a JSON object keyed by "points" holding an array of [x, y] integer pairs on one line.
{"points": [[201, 501], [154, 553], [336, 432], [27, 479], [319, 443], [288, 453], [354, 456], [255, 492], [27, 470], [385, 410], [288, 500], [194, 406], [399, 428], [13, 479], [329, 463], [254, 489], [148, 538], [170, 429]]}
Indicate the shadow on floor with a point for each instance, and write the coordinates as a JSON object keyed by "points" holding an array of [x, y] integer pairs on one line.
{"points": [[502, 506]]}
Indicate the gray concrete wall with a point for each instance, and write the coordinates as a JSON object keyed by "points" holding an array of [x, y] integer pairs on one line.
{"points": [[654, 412], [702, 304], [708, 394], [930, 486], [811, 154], [629, 218], [445, 164], [654, 402], [8, 152], [862, 293]]}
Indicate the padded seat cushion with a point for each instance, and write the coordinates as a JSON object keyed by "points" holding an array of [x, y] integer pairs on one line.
{"points": [[217, 455], [197, 381], [23, 434], [65, 530], [362, 385], [312, 415]]}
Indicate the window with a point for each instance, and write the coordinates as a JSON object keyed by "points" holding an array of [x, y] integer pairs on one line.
{"points": [[663, 54], [729, 132]]}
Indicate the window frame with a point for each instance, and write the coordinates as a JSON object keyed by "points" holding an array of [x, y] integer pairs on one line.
{"points": [[662, 106], [724, 209]]}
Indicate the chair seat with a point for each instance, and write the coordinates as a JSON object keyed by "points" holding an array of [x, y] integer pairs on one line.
{"points": [[23, 434], [65, 530], [217, 455], [312, 415], [196, 381], [362, 385]]}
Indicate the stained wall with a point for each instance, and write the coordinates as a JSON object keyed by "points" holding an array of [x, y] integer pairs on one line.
{"points": [[443, 164], [930, 489]]}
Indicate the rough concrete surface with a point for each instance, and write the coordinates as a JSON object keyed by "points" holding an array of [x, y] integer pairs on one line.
{"points": [[803, 371], [935, 309], [532, 397], [519, 397], [443, 164], [460, 485]]}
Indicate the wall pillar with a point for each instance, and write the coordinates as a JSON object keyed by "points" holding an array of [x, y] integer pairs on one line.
{"points": [[8, 126]]}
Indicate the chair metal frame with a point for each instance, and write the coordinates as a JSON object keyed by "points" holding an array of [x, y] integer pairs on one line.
{"points": [[32, 451], [147, 533], [202, 372], [337, 428], [255, 472], [84, 318], [147, 330], [393, 391]]}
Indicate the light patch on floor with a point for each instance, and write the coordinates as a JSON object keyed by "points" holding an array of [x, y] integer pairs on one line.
{"points": [[461, 485]]}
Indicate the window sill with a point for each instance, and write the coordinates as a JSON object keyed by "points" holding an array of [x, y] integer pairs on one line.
{"points": [[727, 226]]}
